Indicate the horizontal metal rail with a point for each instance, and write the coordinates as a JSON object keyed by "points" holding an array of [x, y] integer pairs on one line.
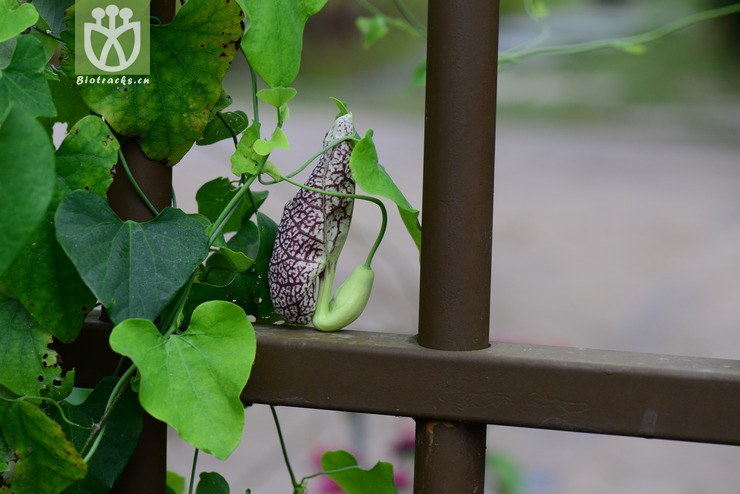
{"points": [[572, 389]]}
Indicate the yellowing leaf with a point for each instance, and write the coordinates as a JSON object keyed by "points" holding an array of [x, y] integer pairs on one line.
{"points": [[189, 58]]}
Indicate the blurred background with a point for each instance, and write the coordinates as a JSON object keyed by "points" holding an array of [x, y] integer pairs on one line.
{"points": [[617, 226]]}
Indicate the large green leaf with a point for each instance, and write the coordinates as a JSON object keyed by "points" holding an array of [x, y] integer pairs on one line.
{"points": [[23, 83], [26, 180], [134, 269], [213, 197], [250, 289], [46, 461], [42, 277], [14, 18], [274, 41], [371, 176], [121, 435], [193, 380], [28, 364], [378, 480], [189, 58]]}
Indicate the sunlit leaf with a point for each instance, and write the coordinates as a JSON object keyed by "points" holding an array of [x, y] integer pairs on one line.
{"points": [[277, 96], [14, 18], [278, 140], [274, 41], [371, 177], [193, 381], [245, 160]]}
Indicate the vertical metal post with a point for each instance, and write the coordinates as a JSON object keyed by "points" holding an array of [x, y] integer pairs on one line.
{"points": [[454, 309], [146, 472]]}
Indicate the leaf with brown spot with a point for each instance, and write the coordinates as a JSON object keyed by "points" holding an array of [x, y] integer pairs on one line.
{"points": [[189, 58]]}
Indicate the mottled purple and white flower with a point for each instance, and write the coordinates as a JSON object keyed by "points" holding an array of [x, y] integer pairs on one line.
{"points": [[313, 229]]}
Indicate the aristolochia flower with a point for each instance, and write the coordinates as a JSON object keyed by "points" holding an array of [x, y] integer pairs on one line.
{"points": [[313, 230]]}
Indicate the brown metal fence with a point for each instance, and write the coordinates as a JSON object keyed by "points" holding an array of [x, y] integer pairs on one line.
{"points": [[448, 377]]}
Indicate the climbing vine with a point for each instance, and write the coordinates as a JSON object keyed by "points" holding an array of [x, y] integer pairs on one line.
{"points": [[181, 290]]}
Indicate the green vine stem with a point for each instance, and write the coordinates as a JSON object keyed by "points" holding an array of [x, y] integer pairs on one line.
{"points": [[310, 160], [135, 184], [223, 217], [410, 18], [192, 471], [255, 101], [97, 434], [52, 402], [48, 33], [377, 202], [625, 43], [283, 448], [329, 472], [229, 128]]}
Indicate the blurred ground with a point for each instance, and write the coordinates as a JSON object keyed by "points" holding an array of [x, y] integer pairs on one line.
{"points": [[617, 226]]}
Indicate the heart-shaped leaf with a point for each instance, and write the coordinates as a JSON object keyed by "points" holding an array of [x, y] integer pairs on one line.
{"points": [[377, 480], [277, 96], [26, 180], [371, 177], [42, 277], [189, 58], [133, 268], [193, 380], [14, 18], [278, 140], [313, 229], [274, 41]]}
